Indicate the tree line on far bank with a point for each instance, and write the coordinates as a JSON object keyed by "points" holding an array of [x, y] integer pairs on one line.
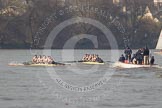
{"points": [[20, 20]]}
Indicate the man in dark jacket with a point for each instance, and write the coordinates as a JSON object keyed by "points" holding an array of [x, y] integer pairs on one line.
{"points": [[146, 54], [146, 51], [128, 53], [139, 57]]}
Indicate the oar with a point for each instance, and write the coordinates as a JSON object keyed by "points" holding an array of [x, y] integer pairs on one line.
{"points": [[73, 61], [58, 63], [109, 61], [70, 61], [83, 61], [27, 63]]}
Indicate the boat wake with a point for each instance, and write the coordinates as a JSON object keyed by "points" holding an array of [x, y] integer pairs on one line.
{"points": [[15, 64], [159, 67]]}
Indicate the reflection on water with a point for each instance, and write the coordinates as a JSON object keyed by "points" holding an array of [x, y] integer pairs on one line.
{"points": [[31, 87]]}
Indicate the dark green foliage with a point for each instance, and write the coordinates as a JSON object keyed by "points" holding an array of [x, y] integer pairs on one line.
{"points": [[19, 25]]}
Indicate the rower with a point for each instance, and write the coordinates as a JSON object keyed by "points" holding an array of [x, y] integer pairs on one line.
{"points": [[39, 59], [85, 58], [99, 60], [95, 58], [90, 58], [45, 60], [50, 60], [34, 59]]}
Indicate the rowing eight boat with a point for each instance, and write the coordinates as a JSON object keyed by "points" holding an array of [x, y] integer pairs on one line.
{"points": [[36, 65], [93, 63]]}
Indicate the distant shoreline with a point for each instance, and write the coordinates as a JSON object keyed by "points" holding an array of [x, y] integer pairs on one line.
{"points": [[66, 49], [23, 47]]}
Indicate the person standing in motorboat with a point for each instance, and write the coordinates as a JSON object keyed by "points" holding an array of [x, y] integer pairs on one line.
{"points": [[128, 53], [139, 57], [146, 54]]}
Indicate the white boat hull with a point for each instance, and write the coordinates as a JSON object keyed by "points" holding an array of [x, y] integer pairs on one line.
{"points": [[124, 65]]}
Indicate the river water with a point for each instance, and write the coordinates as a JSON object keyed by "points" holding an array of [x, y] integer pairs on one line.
{"points": [[77, 85]]}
